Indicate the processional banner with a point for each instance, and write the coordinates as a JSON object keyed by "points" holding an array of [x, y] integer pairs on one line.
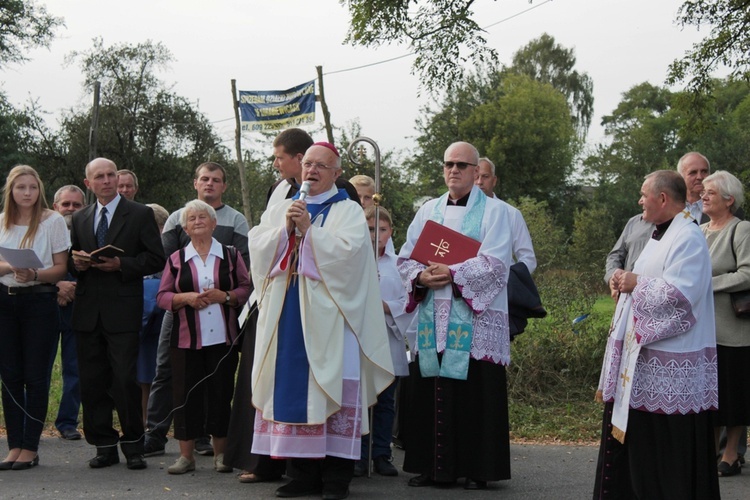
{"points": [[270, 110]]}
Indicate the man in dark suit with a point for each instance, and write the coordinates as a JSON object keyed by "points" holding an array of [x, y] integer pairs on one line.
{"points": [[107, 313]]}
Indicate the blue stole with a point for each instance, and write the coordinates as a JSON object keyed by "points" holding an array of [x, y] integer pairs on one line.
{"points": [[292, 368], [455, 362]]}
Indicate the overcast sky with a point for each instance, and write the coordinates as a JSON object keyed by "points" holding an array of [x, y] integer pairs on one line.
{"points": [[276, 44]]}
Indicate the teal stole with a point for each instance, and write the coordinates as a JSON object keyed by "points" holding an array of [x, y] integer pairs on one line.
{"points": [[455, 362]]}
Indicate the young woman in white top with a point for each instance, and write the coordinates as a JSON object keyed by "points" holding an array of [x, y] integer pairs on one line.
{"points": [[29, 318]]}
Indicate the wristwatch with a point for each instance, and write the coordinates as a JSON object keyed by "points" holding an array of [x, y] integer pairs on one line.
{"points": [[228, 298]]}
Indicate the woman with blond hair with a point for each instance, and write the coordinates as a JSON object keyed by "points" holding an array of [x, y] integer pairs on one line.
{"points": [[28, 312]]}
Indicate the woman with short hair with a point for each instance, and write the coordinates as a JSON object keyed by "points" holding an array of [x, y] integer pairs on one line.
{"points": [[728, 241], [204, 284]]}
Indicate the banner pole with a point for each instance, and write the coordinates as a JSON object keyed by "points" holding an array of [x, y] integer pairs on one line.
{"points": [[324, 106], [238, 150]]}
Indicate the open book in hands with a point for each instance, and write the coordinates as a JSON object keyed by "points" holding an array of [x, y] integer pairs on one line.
{"points": [[105, 251]]}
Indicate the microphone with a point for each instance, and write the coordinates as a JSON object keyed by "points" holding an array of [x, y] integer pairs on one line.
{"points": [[304, 190]]}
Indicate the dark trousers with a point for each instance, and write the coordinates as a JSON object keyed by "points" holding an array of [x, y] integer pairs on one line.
{"points": [[107, 371], [28, 332], [159, 409], [70, 400], [241, 421], [329, 470], [381, 427], [200, 375]]}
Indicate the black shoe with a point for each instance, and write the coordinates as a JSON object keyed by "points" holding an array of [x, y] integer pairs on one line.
{"points": [[136, 462], [6, 465], [25, 465], [741, 458], [724, 469], [299, 488], [360, 468], [203, 446], [152, 449], [384, 467], [70, 435], [421, 480], [335, 491], [471, 484], [102, 460]]}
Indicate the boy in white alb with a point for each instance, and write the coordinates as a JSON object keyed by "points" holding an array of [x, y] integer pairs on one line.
{"points": [[397, 322]]}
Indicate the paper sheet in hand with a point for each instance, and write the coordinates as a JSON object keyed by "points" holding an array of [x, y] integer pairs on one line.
{"points": [[21, 258], [438, 243]]}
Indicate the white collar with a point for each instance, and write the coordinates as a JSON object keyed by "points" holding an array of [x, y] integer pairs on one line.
{"points": [[320, 198], [215, 250], [111, 206]]}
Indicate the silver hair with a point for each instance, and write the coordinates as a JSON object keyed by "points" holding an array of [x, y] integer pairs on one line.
{"points": [[728, 186], [474, 151], [196, 206], [69, 187], [692, 153], [489, 162]]}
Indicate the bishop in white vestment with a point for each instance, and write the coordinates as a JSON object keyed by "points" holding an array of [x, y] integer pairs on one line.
{"points": [[321, 354]]}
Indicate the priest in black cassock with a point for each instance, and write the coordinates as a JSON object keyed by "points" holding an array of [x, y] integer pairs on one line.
{"points": [[455, 406]]}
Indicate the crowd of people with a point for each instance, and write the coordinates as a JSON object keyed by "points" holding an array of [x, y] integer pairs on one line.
{"points": [[286, 349], [675, 404]]}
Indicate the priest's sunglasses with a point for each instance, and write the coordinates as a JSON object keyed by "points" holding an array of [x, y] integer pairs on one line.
{"points": [[461, 165]]}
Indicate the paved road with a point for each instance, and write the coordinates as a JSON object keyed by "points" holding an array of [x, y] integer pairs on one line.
{"points": [[539, 472]]}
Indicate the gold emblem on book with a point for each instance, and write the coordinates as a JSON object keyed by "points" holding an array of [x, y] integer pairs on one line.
{"points": [[441, 248]]}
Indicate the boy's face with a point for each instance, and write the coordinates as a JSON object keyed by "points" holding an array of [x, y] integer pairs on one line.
{"points": [[384, 231], [365, 196]]}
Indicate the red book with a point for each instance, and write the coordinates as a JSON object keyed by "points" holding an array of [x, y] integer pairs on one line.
{"points": [[438, 243]]}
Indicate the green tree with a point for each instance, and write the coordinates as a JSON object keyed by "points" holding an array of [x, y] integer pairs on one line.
{"points": [[526, 129], [545, 61], [548, 236], [724, 136], [644, 131], [143, 125], [523, 125], [592, 239], [727, 44], [441, 33], [24, 25], [11, 123]]}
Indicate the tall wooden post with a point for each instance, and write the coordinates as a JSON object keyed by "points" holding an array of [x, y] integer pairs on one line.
{"points": [[93, 131], [238, 149], [322, 98]]}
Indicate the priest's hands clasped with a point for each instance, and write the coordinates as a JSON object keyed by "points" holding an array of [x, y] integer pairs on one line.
{"points": [[435, 276], [623, 281], [298, 216]]}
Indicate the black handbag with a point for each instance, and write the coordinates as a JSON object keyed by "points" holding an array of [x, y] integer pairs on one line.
{"points": [[740, 300]]}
